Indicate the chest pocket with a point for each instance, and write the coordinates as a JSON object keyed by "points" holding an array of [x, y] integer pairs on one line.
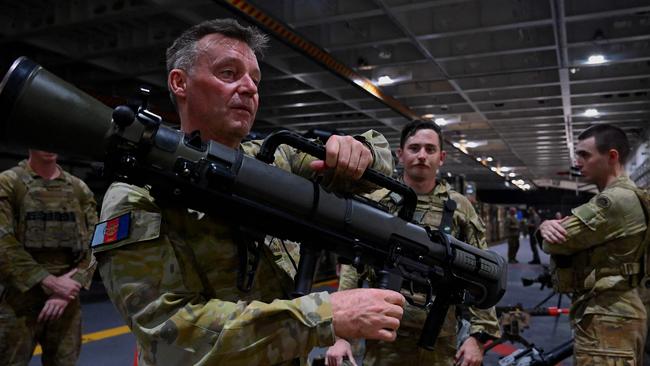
{"points": [[50, 217], [429, 216]]}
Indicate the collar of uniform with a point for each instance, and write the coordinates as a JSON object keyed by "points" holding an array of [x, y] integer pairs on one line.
{"points": [[23, 164], [621, 181]]}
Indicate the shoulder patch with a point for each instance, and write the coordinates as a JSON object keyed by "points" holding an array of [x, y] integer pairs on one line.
{"points": [[111, 231], [603, 202]]}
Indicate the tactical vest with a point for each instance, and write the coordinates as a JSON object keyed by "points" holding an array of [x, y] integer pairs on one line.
{"points": [[618, 257], [429, 213], [48, 213]]}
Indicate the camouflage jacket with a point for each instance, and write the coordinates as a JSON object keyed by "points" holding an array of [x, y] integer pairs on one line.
{"points": [[467, 226], [511, 226], [174, 282], [603, 249], [22, 269]]}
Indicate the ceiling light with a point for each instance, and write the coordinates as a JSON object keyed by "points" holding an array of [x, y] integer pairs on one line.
{"points": [[456, 144], [479, 159], [489, 158], [505, 169], [526, 186], [494, 169], [385, 54], [591, 112], [427, 116], [573, 70], [473, 144], [384, 80], [512, 174], [440, 121], [596, 60]]}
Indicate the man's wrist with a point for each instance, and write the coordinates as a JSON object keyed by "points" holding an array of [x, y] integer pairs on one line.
{"points": [[481, 337], [47, 284]]}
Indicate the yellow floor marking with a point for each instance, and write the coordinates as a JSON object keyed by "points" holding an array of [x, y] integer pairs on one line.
{"points": [[96, 336]]}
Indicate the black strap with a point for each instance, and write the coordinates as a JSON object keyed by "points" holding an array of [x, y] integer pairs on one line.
{"points": [[447, 216], [247, 243]]}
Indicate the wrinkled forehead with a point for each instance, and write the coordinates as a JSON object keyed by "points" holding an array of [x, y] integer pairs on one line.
{"points": [[216, 46]]}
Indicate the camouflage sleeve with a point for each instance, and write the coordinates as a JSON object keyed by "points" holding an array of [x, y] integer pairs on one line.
{"points": [[87, 264], [481, 320], [606, 216], [298, 162], [348, 278], [176, 317], [18, 268]]}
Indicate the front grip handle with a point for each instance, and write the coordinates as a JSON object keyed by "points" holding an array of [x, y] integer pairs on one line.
{"points": [[293, 139]]}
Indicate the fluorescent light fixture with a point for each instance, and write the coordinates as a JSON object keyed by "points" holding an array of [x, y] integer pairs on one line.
{"points": [[384, 80], [591, 112], [473, 144], [596, 60]]}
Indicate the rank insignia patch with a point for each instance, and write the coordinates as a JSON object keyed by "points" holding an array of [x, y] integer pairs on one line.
{"points": [[112, 230]]}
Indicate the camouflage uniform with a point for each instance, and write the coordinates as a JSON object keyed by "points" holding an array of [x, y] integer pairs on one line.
{"points": [[44, 229], [512, 232], [600, 264], [467, 226], [174, 282]]}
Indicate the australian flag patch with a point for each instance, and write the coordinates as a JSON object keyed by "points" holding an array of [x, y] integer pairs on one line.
{"points": [[111, 231]]}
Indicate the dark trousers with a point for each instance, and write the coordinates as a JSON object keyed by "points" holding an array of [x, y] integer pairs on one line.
{"points": [[513, 247], [533, 243]]}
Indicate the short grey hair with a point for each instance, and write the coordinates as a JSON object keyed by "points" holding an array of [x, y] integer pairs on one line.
{"points": [[183, 53]]}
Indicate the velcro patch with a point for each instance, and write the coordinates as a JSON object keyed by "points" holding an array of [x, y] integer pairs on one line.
{"points": [[111, 231]]}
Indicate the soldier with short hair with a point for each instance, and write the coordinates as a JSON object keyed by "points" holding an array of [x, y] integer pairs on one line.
{"points": [[421, 154], [180, 278], [46, 217], [596, 254]]}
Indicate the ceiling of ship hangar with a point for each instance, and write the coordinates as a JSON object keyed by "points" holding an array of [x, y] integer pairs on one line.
{"points": [[510, 81]]}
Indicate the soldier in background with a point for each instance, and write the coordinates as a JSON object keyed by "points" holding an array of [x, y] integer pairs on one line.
{"points": [[533, 223], [180, 278], [46, 217], [421, 154], [596, 254], [512, 233]]}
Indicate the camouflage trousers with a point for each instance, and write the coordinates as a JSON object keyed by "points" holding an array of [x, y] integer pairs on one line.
{"points": [[609, 340], [20, 332], [513, 248], [405, 351]]}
